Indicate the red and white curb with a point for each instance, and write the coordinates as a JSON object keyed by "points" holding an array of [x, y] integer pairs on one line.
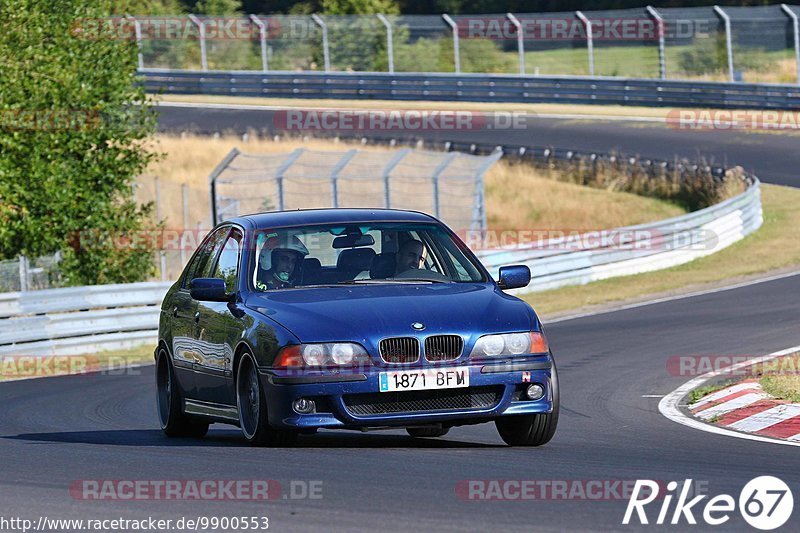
{"points": [[742, 410]]}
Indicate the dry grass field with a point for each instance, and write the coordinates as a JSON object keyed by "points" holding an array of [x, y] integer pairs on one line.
{"points": [[518, 197]]}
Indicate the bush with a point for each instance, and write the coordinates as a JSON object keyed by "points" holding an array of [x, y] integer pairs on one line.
{"points": [[72, 140]]}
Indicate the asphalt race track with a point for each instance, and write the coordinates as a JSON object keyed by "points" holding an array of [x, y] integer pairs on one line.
{"points": [[775, 158], [612, 366], [55, 431]]}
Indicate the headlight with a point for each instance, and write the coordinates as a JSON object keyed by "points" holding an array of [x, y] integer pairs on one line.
{"points": [[322, 354], [531, 342]]}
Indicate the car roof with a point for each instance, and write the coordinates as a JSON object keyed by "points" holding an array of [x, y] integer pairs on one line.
{"points": [[328, 216]]}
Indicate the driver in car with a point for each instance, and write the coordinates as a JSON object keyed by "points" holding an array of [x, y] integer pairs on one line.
{"points": [[409, 256], [279, 262]]}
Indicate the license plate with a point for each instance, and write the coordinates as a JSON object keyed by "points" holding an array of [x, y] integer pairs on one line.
{"points": [[442, 378]]}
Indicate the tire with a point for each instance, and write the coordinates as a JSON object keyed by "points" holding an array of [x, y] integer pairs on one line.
{"points": [[252, 407], [169, 402], [419, 433], [531, 430]]}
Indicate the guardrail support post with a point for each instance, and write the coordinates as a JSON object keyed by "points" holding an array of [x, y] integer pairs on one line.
{"points": [[137, 31], [262, 35], [326, 56], [662, 53], [589, 39], [202, 28], [520, 41], [389, 40], [728, 41], [796, 26], [454, 27]]}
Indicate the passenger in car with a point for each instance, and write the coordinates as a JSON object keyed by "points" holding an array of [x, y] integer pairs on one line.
{"points": [[409, 256]]}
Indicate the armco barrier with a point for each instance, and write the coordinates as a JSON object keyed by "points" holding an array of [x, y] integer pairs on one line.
{"points": [[475, 87], [556, 263], [78, 320]]}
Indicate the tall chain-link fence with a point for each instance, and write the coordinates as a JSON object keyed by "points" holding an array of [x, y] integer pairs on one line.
{"points": [[754, 44], [448, 185]]}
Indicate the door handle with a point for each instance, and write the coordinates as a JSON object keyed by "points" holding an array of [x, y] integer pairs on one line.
{"points": [[197, 317], [175, 312]]}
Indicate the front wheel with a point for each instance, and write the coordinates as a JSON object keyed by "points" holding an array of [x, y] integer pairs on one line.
{"points": [[531, 430], [252, 406], [174, 422]]}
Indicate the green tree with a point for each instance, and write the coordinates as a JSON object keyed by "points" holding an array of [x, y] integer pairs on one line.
{"points": [[73, 135]]}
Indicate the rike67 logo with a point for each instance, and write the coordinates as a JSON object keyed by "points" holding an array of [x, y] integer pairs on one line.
{"points": [[765, 503]]}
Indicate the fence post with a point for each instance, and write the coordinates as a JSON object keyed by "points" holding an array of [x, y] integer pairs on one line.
{"points": [[387, 171], [479, 218], [202, 27], [796, 26], [137, 31], [589, 39], [389, 40], [728, 41], [520, 42], [212, 181], [185, 206], [162, 256], [262, 36], [435, 180], [662, 53], [456, 52], [335, 175], [23, 273], [325, 50]]}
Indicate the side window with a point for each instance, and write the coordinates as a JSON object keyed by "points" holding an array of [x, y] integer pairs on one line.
{"points": [[228, 263], [200, 267]]}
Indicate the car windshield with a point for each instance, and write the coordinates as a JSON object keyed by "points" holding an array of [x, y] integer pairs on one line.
{"points": [[360, 253]]}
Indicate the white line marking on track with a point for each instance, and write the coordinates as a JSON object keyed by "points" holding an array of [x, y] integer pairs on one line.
{"points": [[668, 406]]}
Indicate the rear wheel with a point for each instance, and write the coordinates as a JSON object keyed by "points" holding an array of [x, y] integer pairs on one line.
{"points": [[174, 422], [531, 430], [252, 407], [427, 432]]}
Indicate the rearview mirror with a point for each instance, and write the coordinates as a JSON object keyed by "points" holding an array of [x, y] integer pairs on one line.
{"points": [[208, 290], [514, 277], [353, 240]]}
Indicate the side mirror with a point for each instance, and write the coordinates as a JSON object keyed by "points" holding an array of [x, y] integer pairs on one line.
{"points": [[514, 277], [208, 290]]}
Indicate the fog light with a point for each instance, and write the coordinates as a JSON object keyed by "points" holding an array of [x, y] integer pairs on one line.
{"points": [[303, 406], [534, 391]]}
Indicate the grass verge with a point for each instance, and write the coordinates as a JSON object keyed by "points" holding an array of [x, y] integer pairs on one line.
{"points": [[785, 383], [774, 246]]}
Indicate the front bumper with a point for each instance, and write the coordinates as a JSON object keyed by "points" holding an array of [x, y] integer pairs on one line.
{"points": [[352, 399]]}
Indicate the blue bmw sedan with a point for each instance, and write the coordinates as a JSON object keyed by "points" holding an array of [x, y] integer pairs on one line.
{"points": [[287, 322]]}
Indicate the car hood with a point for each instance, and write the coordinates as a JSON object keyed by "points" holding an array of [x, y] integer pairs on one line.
{"points": [[367, 312]]}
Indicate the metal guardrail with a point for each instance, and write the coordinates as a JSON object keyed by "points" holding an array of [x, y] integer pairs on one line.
{"points": [[635, 249], [78, 320], [475, 87]]}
